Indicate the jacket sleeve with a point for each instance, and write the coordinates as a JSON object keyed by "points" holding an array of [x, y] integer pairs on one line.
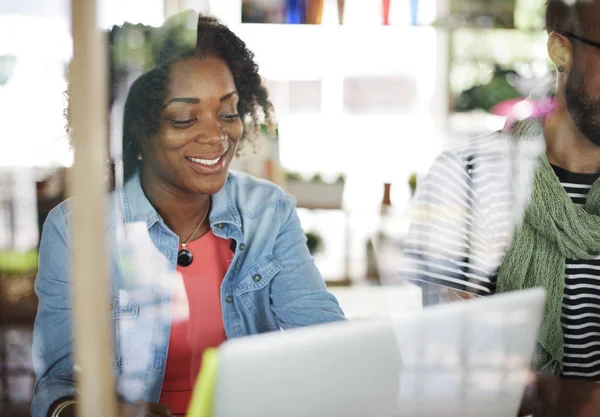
{"points": [[52, 337], [298, 292]]}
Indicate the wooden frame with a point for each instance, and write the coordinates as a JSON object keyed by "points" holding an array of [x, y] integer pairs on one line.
{"points": [[89, 110]]}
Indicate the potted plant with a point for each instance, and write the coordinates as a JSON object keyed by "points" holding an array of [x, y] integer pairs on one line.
{"points": [[314, 241], [412, 183]]}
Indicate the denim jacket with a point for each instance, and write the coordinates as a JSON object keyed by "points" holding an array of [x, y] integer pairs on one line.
{"points": [[272, 284]]}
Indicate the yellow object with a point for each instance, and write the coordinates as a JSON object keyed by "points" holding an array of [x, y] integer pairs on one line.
{"points": [[201, 404]]}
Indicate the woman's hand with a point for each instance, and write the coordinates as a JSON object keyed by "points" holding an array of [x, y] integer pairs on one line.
{"points": [[143, 409], [548, 396]]}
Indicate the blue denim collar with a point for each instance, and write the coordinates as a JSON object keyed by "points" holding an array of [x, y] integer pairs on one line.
{"points": [[137, 207]]}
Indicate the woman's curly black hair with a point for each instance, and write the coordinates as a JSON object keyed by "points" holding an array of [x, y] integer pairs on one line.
{"points": [[145, 98]]}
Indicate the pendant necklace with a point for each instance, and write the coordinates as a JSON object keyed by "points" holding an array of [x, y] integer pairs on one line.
{"points": [[184, 256]]}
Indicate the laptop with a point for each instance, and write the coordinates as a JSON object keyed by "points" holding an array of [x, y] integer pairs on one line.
{"points": [[463, 359]]}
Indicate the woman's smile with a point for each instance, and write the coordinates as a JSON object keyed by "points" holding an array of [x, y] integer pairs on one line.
{"points": [[204, 165]]}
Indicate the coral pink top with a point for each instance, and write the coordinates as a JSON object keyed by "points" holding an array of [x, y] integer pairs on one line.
{"points": [[197, 321]]}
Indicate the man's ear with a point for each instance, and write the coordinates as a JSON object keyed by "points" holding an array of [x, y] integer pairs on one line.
{"points": [[560, 50]]}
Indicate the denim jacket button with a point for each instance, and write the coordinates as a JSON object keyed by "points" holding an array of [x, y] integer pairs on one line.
{"points": [[229, 299], [219, 225], [256, 278], [242, 246]]}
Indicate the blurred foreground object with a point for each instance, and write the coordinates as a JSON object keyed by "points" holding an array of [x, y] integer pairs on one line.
{"points": [[468, 359], [88, 106]]}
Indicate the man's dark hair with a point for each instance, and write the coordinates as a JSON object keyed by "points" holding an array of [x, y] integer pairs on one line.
{"points": [[569, 16], [145, 98]]}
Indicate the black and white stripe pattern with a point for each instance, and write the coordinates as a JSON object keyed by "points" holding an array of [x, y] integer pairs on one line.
{"points": [[463, 215], [462, 223], [581, 302]]}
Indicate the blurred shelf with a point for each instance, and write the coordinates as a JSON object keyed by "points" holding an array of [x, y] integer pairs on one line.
{"points": [[316, 195], [21, 313], [345, 283], [15, 410], [309, 52], [18, 371]]}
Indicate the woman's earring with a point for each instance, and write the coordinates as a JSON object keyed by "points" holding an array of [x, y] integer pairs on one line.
{"points": [[561, 68], [139, 157]]}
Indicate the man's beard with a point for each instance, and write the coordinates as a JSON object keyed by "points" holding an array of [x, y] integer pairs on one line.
{"points": [[584, 110]]}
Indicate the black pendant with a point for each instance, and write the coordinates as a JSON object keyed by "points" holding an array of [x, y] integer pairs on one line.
{"points": [[184, 257]]}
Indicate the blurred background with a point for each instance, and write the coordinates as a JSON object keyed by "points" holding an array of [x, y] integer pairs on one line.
{"points": [[366, 93]]}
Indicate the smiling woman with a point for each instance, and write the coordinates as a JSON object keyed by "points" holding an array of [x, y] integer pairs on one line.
{"points": [[236, 241], [147, 100], [195, 126]]}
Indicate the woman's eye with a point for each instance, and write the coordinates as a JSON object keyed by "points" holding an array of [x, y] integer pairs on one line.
{"points": [[230, 117], [183, 123]]}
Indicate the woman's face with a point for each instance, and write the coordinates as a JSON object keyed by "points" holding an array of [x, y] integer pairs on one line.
{"points": [[200, 128]]}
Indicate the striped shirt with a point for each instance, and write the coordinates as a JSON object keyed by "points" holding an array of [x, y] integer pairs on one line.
{"points": [[465, 211], [463, 218], [581, 301]]}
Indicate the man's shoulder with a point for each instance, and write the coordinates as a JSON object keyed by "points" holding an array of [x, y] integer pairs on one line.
{"points": [[493, 143], [487, 150]]}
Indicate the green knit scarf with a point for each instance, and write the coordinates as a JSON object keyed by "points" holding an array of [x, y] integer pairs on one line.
{"points": [[553, 230]]}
